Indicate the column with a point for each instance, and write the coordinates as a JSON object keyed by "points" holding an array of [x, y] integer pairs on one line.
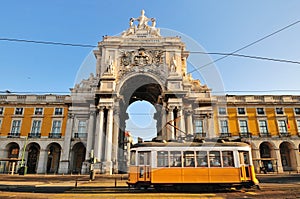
{"points": [[278, 157], [99, 136], [182, 131], [210, 127], [90, 134], [164, 126], [190, 126], [115, 139], [65, 156], [109, 134], [171, 133]]}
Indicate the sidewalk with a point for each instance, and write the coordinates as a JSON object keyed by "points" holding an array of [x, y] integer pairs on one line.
{"points": [[41, 180]]}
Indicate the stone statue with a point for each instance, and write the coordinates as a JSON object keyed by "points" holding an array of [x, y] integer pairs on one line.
{"points": [[110, 67], [143, 21], [173, 64]]}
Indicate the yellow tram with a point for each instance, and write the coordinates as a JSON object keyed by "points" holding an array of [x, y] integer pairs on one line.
{"points": [[178, 164]]}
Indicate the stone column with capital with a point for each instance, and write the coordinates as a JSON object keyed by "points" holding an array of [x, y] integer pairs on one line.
{"points": [[99, 135], [170, 128], [64, 165], [109, 140], [190, 126], [182, 132], [115, 149], [210, 129], [90, 134]]}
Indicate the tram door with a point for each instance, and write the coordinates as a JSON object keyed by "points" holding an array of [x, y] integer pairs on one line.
{"points": [[245, 165], [144, 169]]}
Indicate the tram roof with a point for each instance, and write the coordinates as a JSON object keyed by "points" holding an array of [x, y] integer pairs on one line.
{"points": [[190, 144]]}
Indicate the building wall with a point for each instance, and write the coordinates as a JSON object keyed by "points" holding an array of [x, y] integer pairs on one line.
{"points": [[48, 147], [278, 143]]}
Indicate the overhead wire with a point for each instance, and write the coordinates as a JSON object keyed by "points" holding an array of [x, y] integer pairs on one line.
{"points": [[251, 44]]}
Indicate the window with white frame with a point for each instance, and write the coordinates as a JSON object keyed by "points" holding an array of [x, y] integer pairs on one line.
{"points": [[298, 125], [38, 111], [243, 126], [260, 111], [16, 126], [58, 111], [19, 111], [1, 110], [279, 111], [199, 126], [56, 127], [36, 127], [224, 126], [282, 127], [222, 111], [241, 111], [263, 128], [82, 127]]}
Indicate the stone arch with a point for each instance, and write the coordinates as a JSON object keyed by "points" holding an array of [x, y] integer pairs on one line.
{"points": [[267, 156], [288, 156], [33, 153], [53, 157], [78, 157], [13, 150]]}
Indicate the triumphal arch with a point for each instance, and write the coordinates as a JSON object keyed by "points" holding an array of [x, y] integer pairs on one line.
{"points": [[139, 64]]}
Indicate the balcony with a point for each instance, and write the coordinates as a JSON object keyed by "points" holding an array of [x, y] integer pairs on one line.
{"points": [[265, 135], [284, 134], [54, 135], [245, 135], [80, 135], [13, 135], [34, 135], [225, 135]]}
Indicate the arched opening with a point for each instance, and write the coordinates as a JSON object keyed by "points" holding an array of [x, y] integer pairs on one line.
{"points": [[141, 99], [78, 154], [13, 150], [288, 160], [32, 158], [141, 123], [12, 153], [268, 162], [53, 151]]}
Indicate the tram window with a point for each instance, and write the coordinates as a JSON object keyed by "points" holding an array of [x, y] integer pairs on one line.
{"points": [[175, 158], [201, 158], [227, 159], [214, 159], [244, 157], [162, 159], [141, 158], [132, 158], [189, 158]]}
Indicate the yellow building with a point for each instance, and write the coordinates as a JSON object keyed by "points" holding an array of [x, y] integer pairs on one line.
{"points": [[271, 124], [32, 129]]}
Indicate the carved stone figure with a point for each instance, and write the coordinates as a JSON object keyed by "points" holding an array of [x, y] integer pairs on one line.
{"points": [[173, 64]]}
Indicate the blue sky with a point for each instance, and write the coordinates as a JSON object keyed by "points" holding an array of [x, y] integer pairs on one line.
{"points": [[218, 26]]}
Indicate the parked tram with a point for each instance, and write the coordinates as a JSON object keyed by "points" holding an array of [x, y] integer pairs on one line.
{"points": [[191, 164]]}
